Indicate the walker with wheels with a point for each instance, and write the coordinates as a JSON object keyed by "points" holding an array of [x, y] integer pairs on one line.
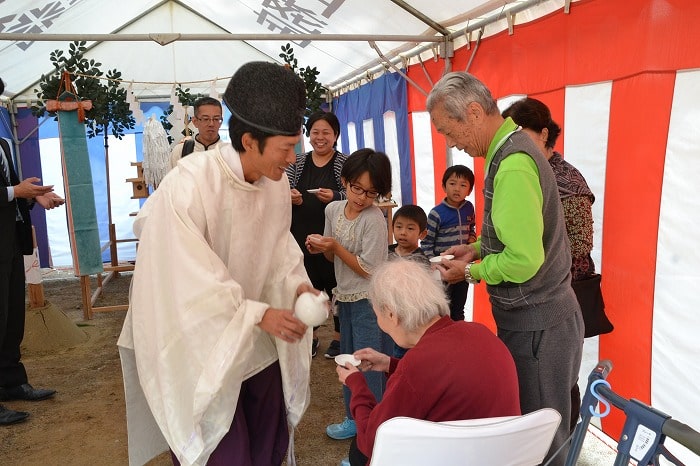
{"points": [[645, 429]]}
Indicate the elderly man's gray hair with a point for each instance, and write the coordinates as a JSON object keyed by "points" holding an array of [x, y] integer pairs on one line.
{"points": [[456, 90], [407, 288]]}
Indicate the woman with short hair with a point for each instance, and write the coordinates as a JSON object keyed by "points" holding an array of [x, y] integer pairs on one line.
{"points": [[453, 370]]}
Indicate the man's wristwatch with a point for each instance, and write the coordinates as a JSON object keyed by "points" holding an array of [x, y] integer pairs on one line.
{"points": [[468, 274]]}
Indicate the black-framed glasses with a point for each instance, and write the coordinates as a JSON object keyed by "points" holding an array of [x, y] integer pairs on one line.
{"points": [[359, 190], [207, 120]]}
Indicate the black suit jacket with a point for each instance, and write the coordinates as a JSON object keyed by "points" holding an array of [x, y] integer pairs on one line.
{"points": [[10, 228]]}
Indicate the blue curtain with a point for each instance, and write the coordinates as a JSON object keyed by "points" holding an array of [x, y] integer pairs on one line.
{"points": [[371, 101]]}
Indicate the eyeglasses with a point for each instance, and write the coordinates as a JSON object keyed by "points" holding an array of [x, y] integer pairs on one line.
{"points": [[360, 191], [207, 120]]}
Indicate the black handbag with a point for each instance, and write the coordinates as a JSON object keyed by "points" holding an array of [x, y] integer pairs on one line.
{"points": [[590, 298]]}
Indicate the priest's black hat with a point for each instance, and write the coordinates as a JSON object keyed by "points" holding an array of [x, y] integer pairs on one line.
{"points": [[268, 97]]}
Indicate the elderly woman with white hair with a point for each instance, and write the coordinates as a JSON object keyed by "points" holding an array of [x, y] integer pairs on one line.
{"points": [[453, 370]]}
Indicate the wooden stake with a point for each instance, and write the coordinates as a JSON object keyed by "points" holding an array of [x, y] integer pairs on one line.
{"points": [[36, 290]]}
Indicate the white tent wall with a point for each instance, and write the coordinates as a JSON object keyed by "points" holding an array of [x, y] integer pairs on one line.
{"points": [[675, 365], [27, 16], [586, 116], [392, 150], [625, 91], [155, 68], [184, 61]]}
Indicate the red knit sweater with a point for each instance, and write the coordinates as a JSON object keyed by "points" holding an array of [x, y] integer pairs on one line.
{"points": [[458, 370]]}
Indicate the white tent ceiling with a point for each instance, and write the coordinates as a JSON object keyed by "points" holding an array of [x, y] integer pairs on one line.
{"points": [[217, 36]]}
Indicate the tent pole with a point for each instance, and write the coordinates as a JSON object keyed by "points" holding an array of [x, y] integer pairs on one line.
{"points": [[476, 47], [425, 19], [393, 67], [166, 38], [112, 230], [12, 111], [378, 66]]}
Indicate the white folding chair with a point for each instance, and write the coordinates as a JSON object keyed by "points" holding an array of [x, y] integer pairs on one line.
{"points": [[501, 441]]}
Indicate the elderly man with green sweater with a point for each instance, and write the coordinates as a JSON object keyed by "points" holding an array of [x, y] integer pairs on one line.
{"points": [[523, 247]]}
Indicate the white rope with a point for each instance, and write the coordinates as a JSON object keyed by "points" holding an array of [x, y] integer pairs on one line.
{"points": [[156, 152]]}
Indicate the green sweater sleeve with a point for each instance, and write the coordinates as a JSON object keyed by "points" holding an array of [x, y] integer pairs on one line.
{"points": [[517, 215]]}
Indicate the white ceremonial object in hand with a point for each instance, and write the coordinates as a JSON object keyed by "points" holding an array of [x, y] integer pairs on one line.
{"points": [[312, 309]]}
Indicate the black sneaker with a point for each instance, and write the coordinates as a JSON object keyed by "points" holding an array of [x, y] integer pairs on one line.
{"points": [[314, 347], [333, 350]]}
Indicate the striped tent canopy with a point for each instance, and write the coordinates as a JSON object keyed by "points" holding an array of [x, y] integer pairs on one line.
{"points": [[622, 78]]}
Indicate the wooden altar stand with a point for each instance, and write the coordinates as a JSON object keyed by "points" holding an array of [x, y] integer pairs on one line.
{"points": [[90, 297], [140, 190]]}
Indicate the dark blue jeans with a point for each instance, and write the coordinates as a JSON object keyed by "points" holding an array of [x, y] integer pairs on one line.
{"points": [[457, 293]]}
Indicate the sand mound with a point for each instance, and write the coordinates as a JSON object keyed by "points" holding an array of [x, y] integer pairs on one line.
{"points": [[49, 329]]}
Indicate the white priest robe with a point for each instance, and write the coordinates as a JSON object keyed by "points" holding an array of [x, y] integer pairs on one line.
{"points": [[214, 253]]}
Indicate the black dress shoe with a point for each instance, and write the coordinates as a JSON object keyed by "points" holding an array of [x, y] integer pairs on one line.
{"points": [[8, 416], [25, 392]]}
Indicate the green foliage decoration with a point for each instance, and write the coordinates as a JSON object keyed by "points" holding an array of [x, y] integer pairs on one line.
{"points": [[315, 91], [110, 110]]}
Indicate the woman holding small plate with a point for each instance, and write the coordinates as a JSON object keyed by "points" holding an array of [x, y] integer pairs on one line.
{"points": [[454, 371], [314, 180]]}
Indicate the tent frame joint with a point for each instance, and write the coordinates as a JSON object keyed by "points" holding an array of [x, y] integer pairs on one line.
{"points": [[446, 48], [164, 39]]}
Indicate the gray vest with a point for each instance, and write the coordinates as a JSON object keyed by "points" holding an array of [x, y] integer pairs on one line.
{"points": [[547, 298]]}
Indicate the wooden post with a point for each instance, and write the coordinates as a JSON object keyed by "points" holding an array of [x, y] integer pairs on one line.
{"points": [[86, 291], [36, 296], [36, 290], [113, 245]]}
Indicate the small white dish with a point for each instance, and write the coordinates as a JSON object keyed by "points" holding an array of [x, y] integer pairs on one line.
{"points": [[341, 359], [313, 191], [315, 238], [438, 259]]}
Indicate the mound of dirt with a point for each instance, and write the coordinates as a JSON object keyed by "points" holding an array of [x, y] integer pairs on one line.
{"points": [[48, 329]]}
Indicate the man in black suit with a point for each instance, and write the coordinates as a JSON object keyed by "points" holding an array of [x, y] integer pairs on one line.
{"points": [[16, 198]]}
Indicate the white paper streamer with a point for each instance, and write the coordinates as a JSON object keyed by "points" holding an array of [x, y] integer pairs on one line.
{"points": [[212, 90], [134, 105]]}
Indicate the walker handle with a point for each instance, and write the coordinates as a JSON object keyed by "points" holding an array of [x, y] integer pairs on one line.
{"points": [[603, 369], [683, 434]]}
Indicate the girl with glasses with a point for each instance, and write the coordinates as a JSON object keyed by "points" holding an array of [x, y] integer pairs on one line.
{"points": [[355, 240]]}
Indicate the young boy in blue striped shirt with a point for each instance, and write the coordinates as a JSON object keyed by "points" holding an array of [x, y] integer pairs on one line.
{"points": [[451, 223]]}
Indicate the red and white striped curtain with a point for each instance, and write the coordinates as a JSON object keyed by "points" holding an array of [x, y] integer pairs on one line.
{"points": [[623, 81]]}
